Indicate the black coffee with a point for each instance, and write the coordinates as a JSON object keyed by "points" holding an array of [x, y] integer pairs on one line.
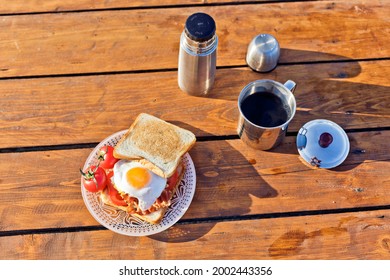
{"points": [[265, 109]]}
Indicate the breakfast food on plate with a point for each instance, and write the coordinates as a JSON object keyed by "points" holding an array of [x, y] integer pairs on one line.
{"points": [[140, 192], [145, 167]]}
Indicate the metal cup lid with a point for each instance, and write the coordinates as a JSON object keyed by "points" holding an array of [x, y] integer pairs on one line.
{"points": [[323, 143], [263, 53]]}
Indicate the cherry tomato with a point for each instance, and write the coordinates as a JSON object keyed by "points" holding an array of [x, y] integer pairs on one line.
{"points": [[94, 179], [114, 195], [106, 157]]}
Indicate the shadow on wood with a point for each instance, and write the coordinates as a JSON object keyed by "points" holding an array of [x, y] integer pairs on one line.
{"points": [[218, 173]]}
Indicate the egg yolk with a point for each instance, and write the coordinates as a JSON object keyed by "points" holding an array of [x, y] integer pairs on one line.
{"points": [[138, 177]]}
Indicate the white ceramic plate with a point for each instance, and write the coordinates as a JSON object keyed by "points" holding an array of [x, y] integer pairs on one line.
{"points": [[123, 223]]}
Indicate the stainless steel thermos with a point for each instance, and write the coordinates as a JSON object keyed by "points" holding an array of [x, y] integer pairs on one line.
{"points": [[198, 55]]}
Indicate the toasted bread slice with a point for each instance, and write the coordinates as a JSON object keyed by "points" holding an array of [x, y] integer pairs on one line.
{"points": [[159, 145], [154, 217]]}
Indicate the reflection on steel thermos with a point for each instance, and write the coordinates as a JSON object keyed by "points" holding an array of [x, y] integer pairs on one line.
{"points": [[198, 55]]}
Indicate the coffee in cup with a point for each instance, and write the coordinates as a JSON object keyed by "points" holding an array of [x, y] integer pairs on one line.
{"points": [[266, 108]]}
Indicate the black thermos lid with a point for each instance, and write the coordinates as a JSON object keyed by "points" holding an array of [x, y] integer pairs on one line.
{"points": [[200, 27]]}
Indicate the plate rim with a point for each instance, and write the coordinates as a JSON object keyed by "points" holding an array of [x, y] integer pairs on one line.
{"points": [[158, 227]]}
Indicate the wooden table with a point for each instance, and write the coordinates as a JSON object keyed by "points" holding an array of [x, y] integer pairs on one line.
{"points": [[74, 72]]}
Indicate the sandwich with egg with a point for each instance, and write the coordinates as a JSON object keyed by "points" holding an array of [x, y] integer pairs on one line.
{"points": [[150, 168]]}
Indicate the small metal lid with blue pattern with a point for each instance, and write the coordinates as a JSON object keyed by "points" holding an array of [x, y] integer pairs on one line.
{"points": [[323, 143]]}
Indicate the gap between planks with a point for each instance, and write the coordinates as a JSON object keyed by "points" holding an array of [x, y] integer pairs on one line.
{"points": [[168, 6], [92, 145], [207, 220], [145, 71]]}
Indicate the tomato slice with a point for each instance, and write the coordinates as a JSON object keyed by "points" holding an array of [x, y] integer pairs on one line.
{"points": [[112, 191], [117, 199]]}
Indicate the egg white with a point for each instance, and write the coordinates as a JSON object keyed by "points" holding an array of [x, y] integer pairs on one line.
{"points": [[148, 194]]}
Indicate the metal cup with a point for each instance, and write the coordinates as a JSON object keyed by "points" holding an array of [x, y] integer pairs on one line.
{"points": [[261, 137]]}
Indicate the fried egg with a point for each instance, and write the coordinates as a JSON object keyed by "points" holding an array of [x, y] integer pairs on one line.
{"points": [[133, 178]]}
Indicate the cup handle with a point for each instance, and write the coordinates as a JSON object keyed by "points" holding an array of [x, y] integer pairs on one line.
{"points": [[291, 85]]}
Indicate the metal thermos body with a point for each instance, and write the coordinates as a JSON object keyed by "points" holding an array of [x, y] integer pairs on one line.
{"points": [[197, 55]]}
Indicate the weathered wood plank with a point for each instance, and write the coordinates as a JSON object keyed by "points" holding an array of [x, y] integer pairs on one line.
{"points": [[87, 109], [232, 180], [339, 236], [107, 41], [34, 6]]}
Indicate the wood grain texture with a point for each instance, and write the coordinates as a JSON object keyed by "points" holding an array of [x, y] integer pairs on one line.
{"points": [[54, 111], [42, 189], [107, 41], [74, 72], [359, 236], [37, 6]]}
